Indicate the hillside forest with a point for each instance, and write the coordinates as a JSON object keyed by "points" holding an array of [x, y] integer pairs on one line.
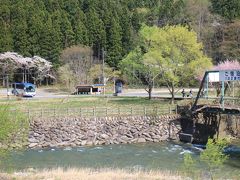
{"points": [[109, 29]]}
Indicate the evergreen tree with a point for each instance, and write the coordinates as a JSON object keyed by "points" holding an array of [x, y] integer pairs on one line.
{"points": [[114, 45], [136, 20], [35, 19], [126, 34], [67, 32], [6, 41], [79, 28], [50, 43], [96, 31], [229, 9]]}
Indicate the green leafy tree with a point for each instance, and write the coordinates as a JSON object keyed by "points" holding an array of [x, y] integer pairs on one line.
{"points": [[168, 52], [136, 69], [172, 50], [213, 155], [95, 73]]}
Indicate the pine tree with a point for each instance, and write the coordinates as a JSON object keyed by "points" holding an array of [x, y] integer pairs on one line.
{"points": [[35, 27], [114, 45], [127, 37], [19, 29], [79, 28], [96, 31], [50, 43], [230, 9], [6, 41], [67, 32]]}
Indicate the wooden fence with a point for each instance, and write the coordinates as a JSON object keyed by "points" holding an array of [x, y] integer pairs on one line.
{"points": [[98, 112]]}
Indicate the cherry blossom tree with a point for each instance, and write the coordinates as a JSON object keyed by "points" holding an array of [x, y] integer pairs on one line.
{"points": [[37, 67], [227, 65]]}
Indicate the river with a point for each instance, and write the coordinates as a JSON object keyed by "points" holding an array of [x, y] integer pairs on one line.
{"points": [[149, 156]]}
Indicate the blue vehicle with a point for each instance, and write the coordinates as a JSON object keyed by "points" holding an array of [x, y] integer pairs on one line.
{"points": [[24, 89]]}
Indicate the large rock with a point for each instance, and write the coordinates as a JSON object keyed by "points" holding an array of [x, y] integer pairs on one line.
{"points": [[32, 140], [84, 142], [141, 140], [104, 136], [62, 132], [32, 145]]}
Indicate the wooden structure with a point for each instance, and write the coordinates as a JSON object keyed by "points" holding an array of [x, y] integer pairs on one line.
{"points": [[202, 121], [90, 89]]}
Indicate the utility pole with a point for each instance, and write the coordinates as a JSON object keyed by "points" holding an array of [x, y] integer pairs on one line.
{"points": [[7, 86], [103, 59], [103, 56]]}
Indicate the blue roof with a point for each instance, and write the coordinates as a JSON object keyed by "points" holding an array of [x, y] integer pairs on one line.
{"points": [[98, 84], [25, 84]]}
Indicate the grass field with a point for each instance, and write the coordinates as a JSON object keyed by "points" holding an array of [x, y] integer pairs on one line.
{"points": [[83, 102]]}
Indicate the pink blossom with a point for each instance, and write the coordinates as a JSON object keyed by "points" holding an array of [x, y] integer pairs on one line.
{"points": [[227, 65]]}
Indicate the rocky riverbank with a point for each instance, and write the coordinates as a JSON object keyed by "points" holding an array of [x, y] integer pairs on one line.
{"points": [[72, 132]]}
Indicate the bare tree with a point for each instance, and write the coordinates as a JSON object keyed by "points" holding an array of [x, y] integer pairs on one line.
{"points": [[78, 60]]}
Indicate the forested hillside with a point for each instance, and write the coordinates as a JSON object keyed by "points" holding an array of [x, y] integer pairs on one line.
{"points": [[46, 27]]}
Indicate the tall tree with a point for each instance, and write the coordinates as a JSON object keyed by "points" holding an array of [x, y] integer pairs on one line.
{"points": [[230, 9], [6, 41], [67, 32], [50, 43], [170, 51], [79, 28], [96, 31], [114, 48]]}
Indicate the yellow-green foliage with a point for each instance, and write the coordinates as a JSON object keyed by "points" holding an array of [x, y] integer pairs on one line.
{"points": [[173, 50], [213, 155], [12, 126]]}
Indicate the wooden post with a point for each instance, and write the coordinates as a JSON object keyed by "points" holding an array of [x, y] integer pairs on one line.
{"points": [[176, 111], [28, 115], [42, 113], [94, 113], [106, 111], [170, 109]]}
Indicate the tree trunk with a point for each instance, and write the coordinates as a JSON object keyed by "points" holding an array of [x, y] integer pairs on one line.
{"points": [[150, 93], [150, 87]]}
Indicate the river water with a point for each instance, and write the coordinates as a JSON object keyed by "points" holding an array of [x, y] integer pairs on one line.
{"points": [[149, 156]]}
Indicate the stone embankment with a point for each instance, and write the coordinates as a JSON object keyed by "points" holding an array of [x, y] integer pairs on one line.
{"points": [[72, 132]]}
